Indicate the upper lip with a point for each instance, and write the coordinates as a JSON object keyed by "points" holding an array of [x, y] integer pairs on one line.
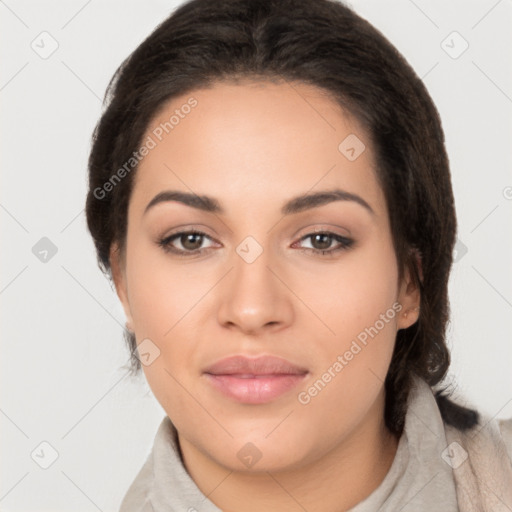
{"points": [[262, 365]]}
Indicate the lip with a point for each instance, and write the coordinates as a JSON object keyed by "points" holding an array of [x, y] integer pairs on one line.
{"points": [[254, 380]]}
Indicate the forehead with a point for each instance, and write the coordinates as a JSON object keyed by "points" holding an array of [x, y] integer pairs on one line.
{"points": [[262, 141]]}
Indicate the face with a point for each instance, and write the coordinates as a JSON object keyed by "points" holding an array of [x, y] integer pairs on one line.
{"points": [[288, 254]]}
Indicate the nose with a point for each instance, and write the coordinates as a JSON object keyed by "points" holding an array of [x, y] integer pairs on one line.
{"points": [[253, 299]]}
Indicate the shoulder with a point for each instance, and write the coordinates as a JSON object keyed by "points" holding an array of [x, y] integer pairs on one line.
{"points": [[482, 434], [505, 429], [481, 459], [137, 494]]}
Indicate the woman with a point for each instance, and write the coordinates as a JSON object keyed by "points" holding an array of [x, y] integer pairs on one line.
{"points": [[270, 193]]}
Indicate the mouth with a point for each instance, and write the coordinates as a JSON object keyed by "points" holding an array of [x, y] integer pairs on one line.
{"points": [[254, 380]]}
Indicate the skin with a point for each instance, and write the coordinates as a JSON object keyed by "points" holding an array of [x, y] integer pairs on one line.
{"points": [[253, 146]]}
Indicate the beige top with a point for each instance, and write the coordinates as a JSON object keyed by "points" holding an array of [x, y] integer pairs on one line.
{"points": [[426, 473]]}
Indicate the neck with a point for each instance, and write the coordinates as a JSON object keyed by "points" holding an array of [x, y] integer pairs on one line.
{"points": [[336, 482]]}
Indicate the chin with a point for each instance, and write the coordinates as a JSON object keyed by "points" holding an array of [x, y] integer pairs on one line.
{"points": [[254, 449]]}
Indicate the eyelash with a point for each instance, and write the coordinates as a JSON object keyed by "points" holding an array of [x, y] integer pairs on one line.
{"points": [[345, 243]]}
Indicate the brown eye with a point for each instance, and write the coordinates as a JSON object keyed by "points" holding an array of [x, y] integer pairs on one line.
{"points": [[191, 241], [185, 243], [321, 241]]}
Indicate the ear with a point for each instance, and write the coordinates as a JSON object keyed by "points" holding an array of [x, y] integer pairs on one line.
{"points": [[409, 294], [117, 265]]}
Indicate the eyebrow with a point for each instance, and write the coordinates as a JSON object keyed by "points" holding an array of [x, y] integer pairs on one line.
{"points": [[294, 205]]}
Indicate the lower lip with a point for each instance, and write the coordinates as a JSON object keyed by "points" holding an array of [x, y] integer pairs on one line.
{"points": [[257, 390]]}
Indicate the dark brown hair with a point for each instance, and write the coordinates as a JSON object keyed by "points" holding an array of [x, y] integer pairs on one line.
{"points": [[325, 44]]}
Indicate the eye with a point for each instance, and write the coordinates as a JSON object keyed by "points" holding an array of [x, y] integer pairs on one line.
{"points": [[190, 242], [322, 241]]}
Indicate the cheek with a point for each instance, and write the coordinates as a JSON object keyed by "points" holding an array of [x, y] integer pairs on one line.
{"points": [[351, 294], [160, 293], [351, 367], [163, 309], [358, 302], [163, 300]]}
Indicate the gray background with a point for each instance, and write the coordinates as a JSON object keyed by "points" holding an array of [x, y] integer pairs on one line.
{"points": [[62, 374]]}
